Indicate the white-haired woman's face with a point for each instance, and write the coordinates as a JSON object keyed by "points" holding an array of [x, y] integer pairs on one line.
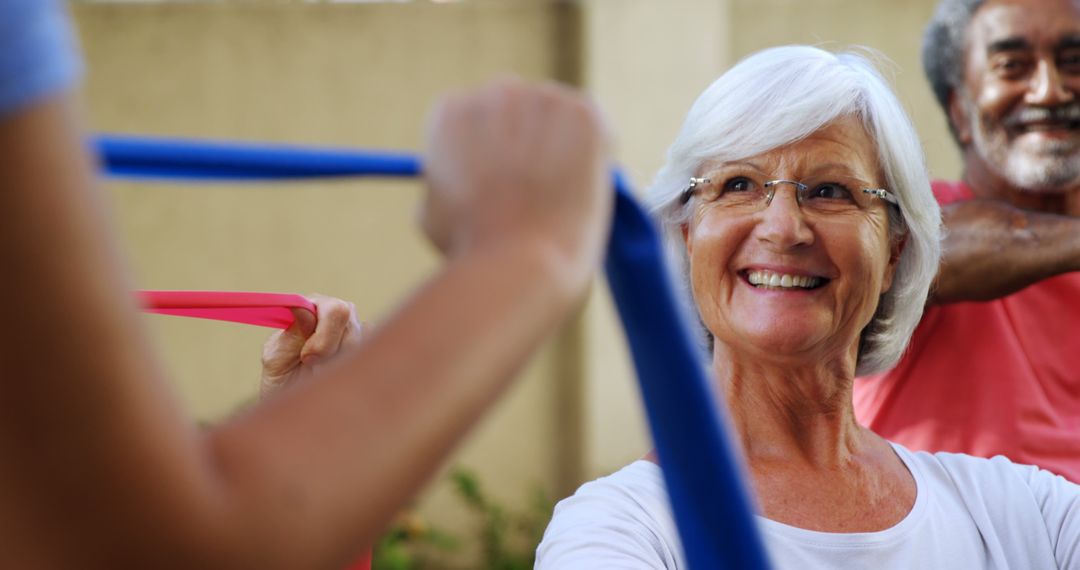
{"points": [[776, 278]]}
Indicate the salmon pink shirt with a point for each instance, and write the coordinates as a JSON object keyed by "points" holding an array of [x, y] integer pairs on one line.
{"points": [[1000, 377]]}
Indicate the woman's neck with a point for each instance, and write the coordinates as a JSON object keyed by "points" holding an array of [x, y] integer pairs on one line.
{"points": [[797, 412]]}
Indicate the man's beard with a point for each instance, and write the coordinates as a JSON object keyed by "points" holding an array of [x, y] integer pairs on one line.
{"points": [[1036, 166]]}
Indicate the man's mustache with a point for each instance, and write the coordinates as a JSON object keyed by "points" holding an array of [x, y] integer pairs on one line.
{"points": [[1027, 115]]}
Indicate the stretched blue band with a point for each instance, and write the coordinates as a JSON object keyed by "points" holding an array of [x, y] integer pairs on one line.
{"points": [[703, 476]]}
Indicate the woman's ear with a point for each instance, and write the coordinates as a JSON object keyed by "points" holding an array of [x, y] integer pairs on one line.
{"points": [[895, 249]]}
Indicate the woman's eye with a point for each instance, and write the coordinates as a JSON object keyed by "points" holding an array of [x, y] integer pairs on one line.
{"points": [[831, 191], [738, 184]]}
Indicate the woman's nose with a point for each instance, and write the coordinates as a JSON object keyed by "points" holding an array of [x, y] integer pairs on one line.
{"points": [[782, 222]]}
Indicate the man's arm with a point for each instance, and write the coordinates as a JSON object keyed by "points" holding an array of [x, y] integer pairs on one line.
{"points": [[993, 249]]}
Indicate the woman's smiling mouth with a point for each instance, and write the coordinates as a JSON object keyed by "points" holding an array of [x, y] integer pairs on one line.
{"points": [[763, 279]]}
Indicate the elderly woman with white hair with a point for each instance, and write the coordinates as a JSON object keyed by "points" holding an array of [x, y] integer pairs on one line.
{"points": [[798, 205]]}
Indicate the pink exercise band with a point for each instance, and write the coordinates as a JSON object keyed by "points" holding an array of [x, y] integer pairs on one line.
{"points": [[261, 309]]}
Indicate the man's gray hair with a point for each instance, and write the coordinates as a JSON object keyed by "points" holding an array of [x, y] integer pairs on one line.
{"points": [[784, 94], [943, 48]]}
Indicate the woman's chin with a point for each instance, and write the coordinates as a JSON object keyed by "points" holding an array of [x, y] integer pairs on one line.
{"points": [[783, 338]]}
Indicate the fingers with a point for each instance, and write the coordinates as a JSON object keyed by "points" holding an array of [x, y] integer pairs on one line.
{"points": [[309, 342], [336, 321], [280, 357], [281, 352], [304, 322], [515, 163]]}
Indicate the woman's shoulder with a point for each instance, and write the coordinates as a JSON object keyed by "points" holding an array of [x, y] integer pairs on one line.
{"points": [[995, 485], [641, 482], [632, 496], [622, 520], [964, 468], [1027, 511]]}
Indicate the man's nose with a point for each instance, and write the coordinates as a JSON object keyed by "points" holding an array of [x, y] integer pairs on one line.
{"points": [[1047, 87]]}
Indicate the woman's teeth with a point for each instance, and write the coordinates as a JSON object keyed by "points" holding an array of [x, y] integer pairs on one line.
{"points": [[769, 279]]}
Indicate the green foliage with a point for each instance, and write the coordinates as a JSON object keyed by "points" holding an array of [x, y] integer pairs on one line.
{"points": [[412, 545], [505, 538]]}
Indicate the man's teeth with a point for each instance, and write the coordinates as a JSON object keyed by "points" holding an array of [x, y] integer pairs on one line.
{"points": [[1051, 126], [769, 279], [1046, 118]]}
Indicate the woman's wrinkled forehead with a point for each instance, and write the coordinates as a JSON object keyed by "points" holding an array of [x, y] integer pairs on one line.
{"points": [[840, 148]]}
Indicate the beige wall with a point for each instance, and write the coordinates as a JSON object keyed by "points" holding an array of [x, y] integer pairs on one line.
{"points": [[363, 75]]}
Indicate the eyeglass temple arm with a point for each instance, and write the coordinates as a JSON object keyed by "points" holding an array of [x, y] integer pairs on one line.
{"points": [[883, 194]]}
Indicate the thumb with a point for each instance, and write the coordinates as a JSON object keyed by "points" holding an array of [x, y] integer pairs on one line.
{"points": [[303, 324]]}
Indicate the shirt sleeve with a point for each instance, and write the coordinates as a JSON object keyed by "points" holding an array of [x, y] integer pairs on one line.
{"points": [[38, 55], [584, 535], [609, 526], [1059, 502]]}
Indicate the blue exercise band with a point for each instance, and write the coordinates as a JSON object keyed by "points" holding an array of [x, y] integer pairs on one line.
{"points": [[704, 480]]}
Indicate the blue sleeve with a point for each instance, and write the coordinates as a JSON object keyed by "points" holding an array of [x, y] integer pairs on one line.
{"points": [[38, 55]]}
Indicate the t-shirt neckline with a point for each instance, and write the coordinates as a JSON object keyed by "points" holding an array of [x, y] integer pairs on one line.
{"points": [[897, 532]]}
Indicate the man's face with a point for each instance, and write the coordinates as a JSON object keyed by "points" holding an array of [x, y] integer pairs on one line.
{"points": [[1018, 102]]}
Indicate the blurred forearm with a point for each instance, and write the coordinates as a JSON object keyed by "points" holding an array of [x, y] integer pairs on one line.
{"points": [[416, 386], [89, 435], [99, 466], [89, 427], [992, 249]]}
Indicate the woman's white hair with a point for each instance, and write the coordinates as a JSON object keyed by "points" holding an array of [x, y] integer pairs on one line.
{"points": [[781, 95]]}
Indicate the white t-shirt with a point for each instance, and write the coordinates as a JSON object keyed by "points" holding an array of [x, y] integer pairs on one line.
{"points": [[969, 513]]}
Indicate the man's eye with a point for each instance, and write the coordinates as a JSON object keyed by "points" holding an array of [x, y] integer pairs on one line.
{"points": [[1069, 62], [1011, 66], [738, 184], [831, 191]]}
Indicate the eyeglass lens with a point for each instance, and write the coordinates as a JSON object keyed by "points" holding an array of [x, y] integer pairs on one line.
{"points": [[745, 193]]}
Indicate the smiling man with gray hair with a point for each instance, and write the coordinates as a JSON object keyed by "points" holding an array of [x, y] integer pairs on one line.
{"points": [[994, 367]]}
